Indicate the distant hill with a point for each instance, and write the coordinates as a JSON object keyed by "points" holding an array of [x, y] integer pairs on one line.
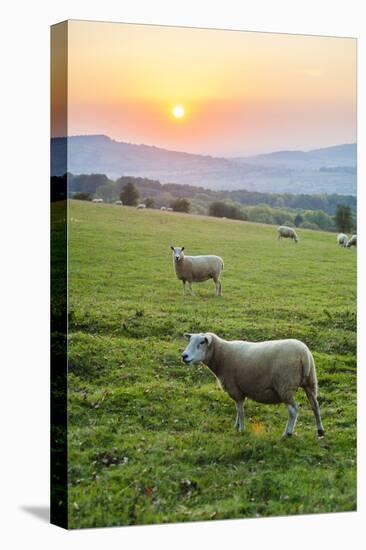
{"points": [[336, 156], [327, 170]]}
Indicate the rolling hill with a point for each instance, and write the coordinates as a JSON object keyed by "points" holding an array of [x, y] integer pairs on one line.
{"points": [[328, 170]]}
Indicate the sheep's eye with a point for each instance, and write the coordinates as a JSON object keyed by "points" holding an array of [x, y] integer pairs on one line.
{"points": [[202, 342]]}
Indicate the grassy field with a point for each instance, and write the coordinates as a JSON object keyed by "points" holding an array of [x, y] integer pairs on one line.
{"points": [[152, 440]]}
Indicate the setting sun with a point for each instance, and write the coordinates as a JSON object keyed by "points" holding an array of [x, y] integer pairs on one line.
{"points": [[178, 111]]}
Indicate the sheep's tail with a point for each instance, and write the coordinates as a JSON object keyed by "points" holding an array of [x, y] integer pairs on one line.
{"points": [[222, 266], [309, 377]]}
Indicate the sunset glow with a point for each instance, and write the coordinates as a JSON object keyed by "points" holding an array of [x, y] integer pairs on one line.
{"points": [[247, 92]]}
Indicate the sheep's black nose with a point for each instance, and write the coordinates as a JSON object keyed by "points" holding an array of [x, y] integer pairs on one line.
{"points": [[184, 356]]}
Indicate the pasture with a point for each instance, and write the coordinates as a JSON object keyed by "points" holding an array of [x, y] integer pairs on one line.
{"points": [[152, 440]]}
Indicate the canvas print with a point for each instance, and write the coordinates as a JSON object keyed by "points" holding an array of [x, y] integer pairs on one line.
{"points": [[203, 274]]}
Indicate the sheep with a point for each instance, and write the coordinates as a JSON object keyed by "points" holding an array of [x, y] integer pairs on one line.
{"points": [[141, 206], [197, 269], [342, 239], [163, 208], [120, 203], [352, 241], [267, 372], [98, 200], [287, 233], [169, 209]]}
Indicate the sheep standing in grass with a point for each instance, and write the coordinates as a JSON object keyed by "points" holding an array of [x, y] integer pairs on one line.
{"points": [[287, 233], [342, 239], [352, 241], [267, 372], [141, 206], [197, 269]]}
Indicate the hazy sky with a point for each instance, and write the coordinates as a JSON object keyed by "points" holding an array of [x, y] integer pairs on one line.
{"points": [[242, 92]]}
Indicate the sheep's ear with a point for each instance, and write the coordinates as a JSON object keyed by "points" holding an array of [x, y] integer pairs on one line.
{"points": [[172, 247], [182, 248], [208, 339], [187, 335]]}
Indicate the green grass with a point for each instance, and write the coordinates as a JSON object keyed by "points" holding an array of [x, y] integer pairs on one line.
{"points": [[152, 440]]}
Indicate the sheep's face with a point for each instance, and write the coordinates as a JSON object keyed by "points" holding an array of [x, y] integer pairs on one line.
{"points": [[178, 253], [197, 349]]}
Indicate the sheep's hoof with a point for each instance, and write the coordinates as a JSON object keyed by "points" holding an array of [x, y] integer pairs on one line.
{"points": [[286, 436], [321, 433]]}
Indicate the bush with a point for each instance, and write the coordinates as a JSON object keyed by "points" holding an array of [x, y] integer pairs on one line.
{"points": [[221, 209], [181, 205], [150, 203]]}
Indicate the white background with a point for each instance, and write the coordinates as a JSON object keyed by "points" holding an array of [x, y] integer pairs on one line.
{"points": [[24, 272]]}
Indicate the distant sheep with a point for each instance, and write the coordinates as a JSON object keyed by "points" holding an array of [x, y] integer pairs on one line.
{"points": [[98, 200], [163, 208], [197, 269], [267, 372], [352, 241], [287, 233], [169, 209], [141, 206], [120, 203], [342, 239]]}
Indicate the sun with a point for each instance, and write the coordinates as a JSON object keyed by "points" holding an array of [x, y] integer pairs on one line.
{"points": [[178, 111]]}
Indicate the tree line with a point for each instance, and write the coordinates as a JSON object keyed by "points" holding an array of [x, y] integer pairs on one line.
{"points": [[326, 212]]}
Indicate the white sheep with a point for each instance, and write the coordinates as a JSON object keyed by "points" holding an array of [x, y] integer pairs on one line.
{"points": [[163, 208], [267, 372], [287, 233], [169, 209], [141, 206], [342, 239], [352, 241], [98, 200], [120, 203], [197, 269]]}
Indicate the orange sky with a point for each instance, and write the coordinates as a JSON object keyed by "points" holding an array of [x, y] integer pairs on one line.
{"points": [[243, 92]]}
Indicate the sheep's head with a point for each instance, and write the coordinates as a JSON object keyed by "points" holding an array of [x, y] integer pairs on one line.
{"points": [[178, 253], [198, 348]]}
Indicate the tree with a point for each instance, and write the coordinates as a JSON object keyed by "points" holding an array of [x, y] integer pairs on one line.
{"points": [[181, 205], [217, 209], [150, 203], [129, 194], [343, 218], [298, 220]]}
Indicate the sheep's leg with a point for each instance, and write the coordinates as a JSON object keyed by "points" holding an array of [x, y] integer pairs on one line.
{"points": [[239, 422], [316, 410], [190, 288], [292, 417], [184, 290], [236, 424], [218, 287]]}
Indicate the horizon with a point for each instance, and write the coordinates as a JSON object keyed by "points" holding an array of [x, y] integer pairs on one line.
{"points": [[211, 92], [269, 152]]}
